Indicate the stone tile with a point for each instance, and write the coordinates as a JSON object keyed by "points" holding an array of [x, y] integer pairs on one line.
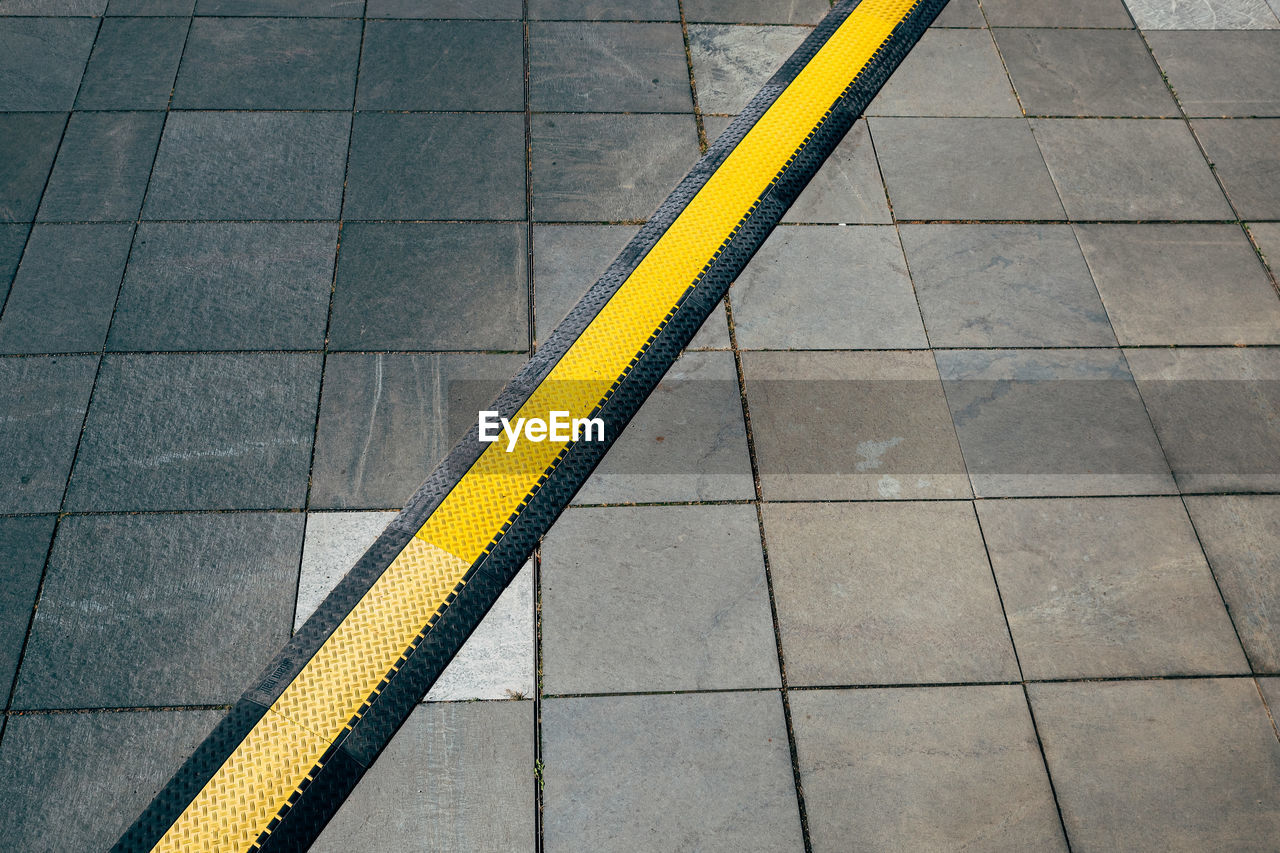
{"points": [[1247, 159], [133, 64], [457, 166], [198, 432], [608, 168], [226, 285], [795, 292], [13, 239], [1270, 689], [27, 146], [960, 13], [1181, 284], [716, 633], [731, 63], [186, 608], [608, 67], [151, 7], [45, 400], [695, 771], [1241, 537], [1265, 234], [334, 542], [938, 168], [948, 73], [66, 288], [1084, 73], [505, 9], [24, 543], [102, 167], [1162, 765], [431, 286], [869, 605], [1118, 169], [601, 10], [41, 60], [1202, 14], [456, 777], [1214, 410], [852, 426], [387, 420], [442, 65], [1222, 73], [755, 11], [283, 8], [77, 781], [969, 753], [249, 165], [1004, 286], [1054, 13], [1057, 423], [54, 7]]}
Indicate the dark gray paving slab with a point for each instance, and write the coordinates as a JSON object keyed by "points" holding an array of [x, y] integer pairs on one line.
{"points": [[249, 165], [24, 544], [198, 432], [731, 63], [76, 781], [442, 65], [1167, 765], [1181, 284], [939, 768], [958, 168], [1084, 73], [1054, 13], [45, 400], [456, 166], [297, 8], [948, 73], [13, 239], [1060, 423], [716, 633], [1004, 286], [226, 285], [799, 292], [1246, 157], [1267, 236], [608, 67], [1221, 73], [456, 777], [150, 7], [66, 288], [696, 771], [852, 426], [41, 60], [1202, 14], [102, 167], [1241, 537], [431, 286], [870, 606], [133, 64], [27, 146], [1107, 588], [601, 10], [608, 168], [756, 11], [505, 9], [386, 420], [160, 610], [54, 7]]}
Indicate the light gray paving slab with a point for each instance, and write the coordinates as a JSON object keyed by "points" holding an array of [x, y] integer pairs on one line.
{"points": [[1270, 688], [948, 73], [1246, 155], [960, 13], [1055, 13], [1222, 73], [731, 63], [1267, 236], [1203, 14]]}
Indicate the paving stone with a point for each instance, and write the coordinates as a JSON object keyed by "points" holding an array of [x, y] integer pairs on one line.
{"points": [[442, 65], [1004, 286], [54, 7], [1118, 169], [27, 146], [795, 294], [1162, 765], [1214, 410], [102, 167], [151, 7], [456, 777], [506, 9], [24, 543], [694, 771], [957, 168], [249, 165], [431, 286], [1202, 14], [731, 63], [133, 64], [960, 13], [1265, 234], [334, 542], [869, 606], [1054, 13], [715, 634], [1247, 160], [608, 168], [198, 432], [852, 426], [41, 60], [387, 420], [1221, 73], [756, 11], [45, 400], [1046, 422], [1084, 73], [948, 73], [226, 285], [13, 239], [1270, 689], [66, 288], [298, 8], [1181, 284], [77, 781], [457, 166], [607, 67], [185, 609], [938, 768], [1241, 537]]}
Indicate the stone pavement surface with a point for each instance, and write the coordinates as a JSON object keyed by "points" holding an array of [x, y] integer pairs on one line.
{"points": [[957, 527]]}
